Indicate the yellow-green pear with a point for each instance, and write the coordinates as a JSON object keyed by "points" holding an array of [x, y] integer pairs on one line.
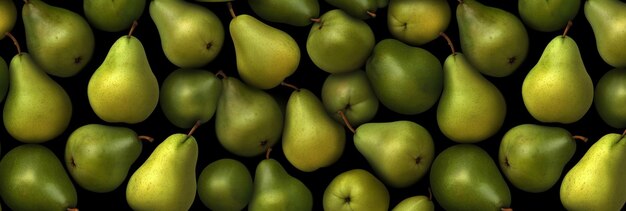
{"points": [[415, 203], [356, 189], [607, 19], [417, 22], [8, 16], [113, 15]]}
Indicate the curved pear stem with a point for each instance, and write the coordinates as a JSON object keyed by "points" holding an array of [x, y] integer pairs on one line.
{"points": [[569, 25], [145, 138], [231, 10], [267, 153], [221, 74], [506, 209], [193, 129], [371, 13], [345, 120], [445, 36], [315, 20], [582, 138], [290, 86], [72, 209], [17, 44], [132, 28]]}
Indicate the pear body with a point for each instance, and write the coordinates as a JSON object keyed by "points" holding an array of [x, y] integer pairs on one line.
{"points": [[225, 184], [188, 96], [296, 13], [352, 94], [457, 172], [113, 16], [167, 179], [8, 16], [4, 79], [191, 35], [610, 98], [248, 120], [471, 108], [415, 203], [418, 22], [124, 78], [33, 178], [607, 20], [484, 30], [597, 182], [98, 157], [558, 88], [547, 16], [406, 79], [361, 9], [532, 157], [339, 42], [68, 43], [356, 189], [37, 109], [400, 152], [275, 189]]}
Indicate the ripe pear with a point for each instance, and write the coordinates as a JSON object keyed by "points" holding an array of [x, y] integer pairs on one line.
{"points": [[532, 157], [188, 96], [296, 13], [484, 30], [167, 179], [339, 42], [4, 79], [610, 98], [361, 9], [415, 203], [8, 16], [558, 88], [547, 16], [60, 40], [33, 178], [418, 22], [113, 16], [356, 189], [275, 189], [465, 177], [400, 152], [191, 35], [407, 80], [607, 19], [225, 184], [352, 94], [123, 79], [311, 139], [597, 182], [98, 157]]}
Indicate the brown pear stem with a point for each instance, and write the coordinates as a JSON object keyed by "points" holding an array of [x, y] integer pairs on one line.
{"points": [[132, 28], [315, 20], [624, 133], [193, 129], [569, 25], [231, 10], [345, 120], [506, 209], [582, 138], [267, 153], [145, 138], [221, 74], [371, 13], [17, 44], [72, 209], [290, 86], [430, 194], [445, 36]]}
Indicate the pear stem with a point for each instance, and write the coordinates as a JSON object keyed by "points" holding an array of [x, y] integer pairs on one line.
{"points": [[290, 86], [506, 209], [582, 138], [371, 13], [624, 133], [445, 36], [315, 20], [221, 74], [145, 138], [193, 129], [430, 194], [231, 10], [460, 1], [267, 153], [132, 28], [26, 1], [345, 120], [569, 25], [72, 209], [17, 44]]}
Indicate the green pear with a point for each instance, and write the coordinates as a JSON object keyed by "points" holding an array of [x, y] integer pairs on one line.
{"points": [[60, 40], [400, 152], [465, 177], [610, 98], [607, 19], [248, 120], [33, 178], [362, 9], [547, 16], [188, 96], [225, 184], [558, 88], [167, 179], [296, 13], [484, 30], [311, 139], [124, 78], [98, 157], [191, 35], [532, 157], [275, 189], [265, 55], [352, 94], [597, 182], [356, 189], [407, 80], [8, 16], [418, 22], [4, 79], [339, 42], [113, 16], [415, 203]]}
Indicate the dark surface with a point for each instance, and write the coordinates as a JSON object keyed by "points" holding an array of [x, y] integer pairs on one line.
{"points": [[310, 77]]}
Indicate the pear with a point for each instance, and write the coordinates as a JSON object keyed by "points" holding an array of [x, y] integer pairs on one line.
{"points": [[362, 9], [407, 80], [296, 13], [167, 179], [339, 42], [113, 16], [418, 22], [547, 16], [60, 40], [33, 178], [225, 184], [248, 120], [610, 98], [352, 94], [558, 88], [124, 78], [400, 152], [98, 157], [607, 19], [8, 16], [484, 30], [188, 96], [415, 203], [532, 157], [356, 189], [464, 177], [311, 139], [4, 79], [275, 189], [597, 182], [191, 35]]}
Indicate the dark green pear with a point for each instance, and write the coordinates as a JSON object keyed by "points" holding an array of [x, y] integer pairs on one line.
{"points": [[352, 94], [33, 178], [607, 19], [356, 189], [532, 157], [188, 96], [4, 79], [113, 16], [362, 9], [8, 16], [99, 157], [296, 13], [547, 16], [415, 203], [275, 189], [610, 98], [225, 184], [465, 177]]}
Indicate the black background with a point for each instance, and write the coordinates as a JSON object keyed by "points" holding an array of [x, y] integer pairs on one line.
{"points": [[310, 77]]}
